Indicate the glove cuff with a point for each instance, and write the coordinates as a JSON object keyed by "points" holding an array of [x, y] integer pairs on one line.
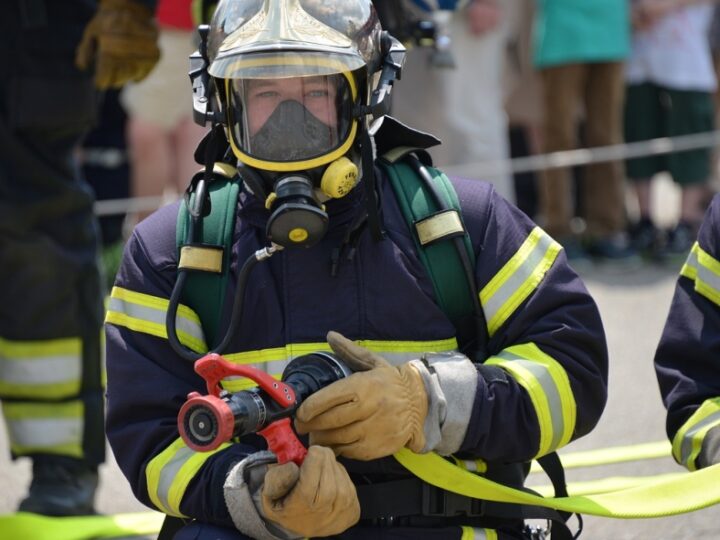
{"points": [[450, 383], [242, 489], [710, 449]]}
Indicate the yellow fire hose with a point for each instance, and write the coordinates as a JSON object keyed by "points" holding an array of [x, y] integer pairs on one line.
{"points": [[619, 497], [650, 498]]}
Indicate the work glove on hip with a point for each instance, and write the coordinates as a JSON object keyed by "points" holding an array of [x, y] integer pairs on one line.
{"points": [[121, 41], [270, 501], [373, 413]]}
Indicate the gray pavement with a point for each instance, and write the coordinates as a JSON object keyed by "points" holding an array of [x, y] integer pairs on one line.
{"points": [[633, 303]]}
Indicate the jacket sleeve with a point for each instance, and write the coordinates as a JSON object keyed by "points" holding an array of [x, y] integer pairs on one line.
{"points": [[147, 383], [544, 382], [686, 360]]}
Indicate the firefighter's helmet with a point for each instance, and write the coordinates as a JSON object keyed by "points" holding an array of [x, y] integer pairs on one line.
{"points": [[291, 76]]}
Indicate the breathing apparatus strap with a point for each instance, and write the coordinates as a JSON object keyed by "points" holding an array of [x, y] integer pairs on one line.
{"points": [[431, 208], [208, 258]]}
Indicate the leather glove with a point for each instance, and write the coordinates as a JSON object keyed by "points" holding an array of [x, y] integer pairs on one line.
{"points": [[316, 499], [370, 414], [121, 39]]}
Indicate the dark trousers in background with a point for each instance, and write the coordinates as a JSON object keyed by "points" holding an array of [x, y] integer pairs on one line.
{"points": [[52, 299], [598, 89]]}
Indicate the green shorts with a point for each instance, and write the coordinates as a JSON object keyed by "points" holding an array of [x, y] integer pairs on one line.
{"points": [[652, 111]]}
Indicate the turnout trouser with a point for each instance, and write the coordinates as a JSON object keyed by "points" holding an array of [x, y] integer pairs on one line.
{"points": [[50, 288]]}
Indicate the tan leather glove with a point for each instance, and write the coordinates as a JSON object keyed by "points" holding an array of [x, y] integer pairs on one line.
{"points": [[315, 499], [370, 414], [121, 40]]}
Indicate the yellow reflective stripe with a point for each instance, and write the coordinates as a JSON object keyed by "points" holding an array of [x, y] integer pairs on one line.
{"points": [[36, 349], [274, 361], [704, 270], [48, 391], [55, 428], [689, 269], [145, 313], [548, 386], [46, 369], [472, 465], [474, 533], [688, 440], [26, 525], [170, 472], [653, 497], [388, 349], [518, 278]]}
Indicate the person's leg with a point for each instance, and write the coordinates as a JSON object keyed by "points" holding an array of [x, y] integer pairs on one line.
{"points": [[52, 308], [186, 137], [692, 201], [690, 112], [155, 107], [604, 183], [477, 128], [562, 86], [150, 151], [644, 118], [641, 187]]}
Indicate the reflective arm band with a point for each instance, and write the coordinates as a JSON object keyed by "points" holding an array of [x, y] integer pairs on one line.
{"points": [[688, 440], [518, 278], [145, 313], [548, 386], [704, 270], [170, 472]]}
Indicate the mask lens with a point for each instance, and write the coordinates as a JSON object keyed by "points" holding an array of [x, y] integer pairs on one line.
{"points": [[291, 119]]}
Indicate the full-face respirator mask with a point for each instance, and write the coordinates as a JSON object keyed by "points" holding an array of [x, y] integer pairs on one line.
{"points": [[293, 136]]}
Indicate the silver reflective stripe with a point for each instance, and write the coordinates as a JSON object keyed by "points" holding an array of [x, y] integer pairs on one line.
{"points": [[40, 370], [169, 473], [686, 447], [543, 376], [692, 259], [157, 316], [704, 274], [45, 432], [494, 304], [479, 534], [271, 366], [276, 365]]}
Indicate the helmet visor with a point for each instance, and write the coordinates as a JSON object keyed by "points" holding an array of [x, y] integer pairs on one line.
{"points": [[278, 121]]}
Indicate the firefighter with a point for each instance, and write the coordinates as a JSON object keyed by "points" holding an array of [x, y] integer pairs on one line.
{"points": [[52, 297], [686, 357], [294, 87]]}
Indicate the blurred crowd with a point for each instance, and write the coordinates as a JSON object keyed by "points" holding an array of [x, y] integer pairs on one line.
{"points": [[539, 76], [495, 79]]}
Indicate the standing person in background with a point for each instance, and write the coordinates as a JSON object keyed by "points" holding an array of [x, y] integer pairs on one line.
{"points": [[161, 132], [463, 106], [52, 297], [671, 82], [523, 101], [580, 46]]}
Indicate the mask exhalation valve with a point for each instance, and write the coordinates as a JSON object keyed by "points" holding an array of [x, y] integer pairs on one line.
{"points": [[297, 218]]}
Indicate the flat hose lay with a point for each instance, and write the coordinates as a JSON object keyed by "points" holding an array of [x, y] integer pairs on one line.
{"points": [[659, 497]]}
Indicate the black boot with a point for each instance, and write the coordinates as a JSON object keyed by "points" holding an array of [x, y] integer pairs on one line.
{"points": [[61, 487]]}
